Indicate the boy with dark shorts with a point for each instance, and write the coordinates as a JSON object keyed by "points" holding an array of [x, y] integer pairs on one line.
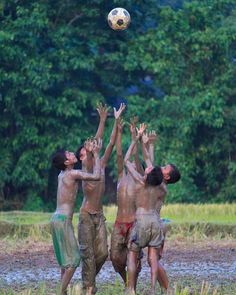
{"points": [[92, 232]]}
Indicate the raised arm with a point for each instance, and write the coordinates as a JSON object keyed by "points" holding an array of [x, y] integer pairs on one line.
{"points": [[119, 153], [152, 137], [88, 164], [145, 152], [133, 124], [79, 174], [102, 111], [111, 143], [135, 174]]}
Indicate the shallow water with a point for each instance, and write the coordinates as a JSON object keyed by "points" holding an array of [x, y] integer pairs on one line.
{"points": [[30, 264], [214, 272]]}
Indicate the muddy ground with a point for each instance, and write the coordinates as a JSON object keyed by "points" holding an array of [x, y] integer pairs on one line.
{"points": [[27, 264]]}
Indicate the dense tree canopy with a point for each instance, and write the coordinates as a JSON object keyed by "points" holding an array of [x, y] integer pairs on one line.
{"points": [[175, 67]]}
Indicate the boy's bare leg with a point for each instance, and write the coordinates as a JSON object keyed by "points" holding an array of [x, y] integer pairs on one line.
{"points": [[66, 277], [132, 262], [153, 262], [89, 291], [62, 272], [162, 277]]}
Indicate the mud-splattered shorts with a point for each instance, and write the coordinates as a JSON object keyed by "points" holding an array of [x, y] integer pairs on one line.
{"points": [[93, 245], [64, 242], [119, 245], [147, 231]]}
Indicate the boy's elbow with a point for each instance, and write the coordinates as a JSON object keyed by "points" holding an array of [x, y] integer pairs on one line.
{"points": [[97, 177]]}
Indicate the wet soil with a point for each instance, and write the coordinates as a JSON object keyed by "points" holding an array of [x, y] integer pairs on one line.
{"points": [[27, 264]]}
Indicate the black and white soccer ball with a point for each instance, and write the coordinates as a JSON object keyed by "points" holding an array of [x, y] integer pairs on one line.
{"points": [[118, 19]]}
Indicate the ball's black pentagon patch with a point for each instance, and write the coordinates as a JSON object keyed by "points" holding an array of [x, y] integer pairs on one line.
{"points": [[125, 13], [120, 22], [110, 23], [114, 12]]}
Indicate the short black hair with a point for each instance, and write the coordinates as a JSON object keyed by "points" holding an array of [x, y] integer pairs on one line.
{"points": [[174, 174], [155, 177], [59, 158]]}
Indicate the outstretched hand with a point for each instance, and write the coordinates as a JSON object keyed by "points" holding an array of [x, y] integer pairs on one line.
{"points": [[119, 112], [145, 138], [97, 145], [152, 136], [132, 125], [102, 110], [88, 145], [134, 120], [120, 124], [141, 129]]}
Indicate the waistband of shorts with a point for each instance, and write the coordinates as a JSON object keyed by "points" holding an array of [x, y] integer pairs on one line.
{"points": [[61, 217], [142, 211], [124, 223], [84, 211]]}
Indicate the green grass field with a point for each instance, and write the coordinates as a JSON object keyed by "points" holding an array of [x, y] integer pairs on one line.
{"points": [[178, 213], [116, 289], [187, 220]]}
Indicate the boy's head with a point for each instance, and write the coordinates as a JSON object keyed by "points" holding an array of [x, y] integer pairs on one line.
{"points": [[153, 175], [171, 173], [62, 159]]}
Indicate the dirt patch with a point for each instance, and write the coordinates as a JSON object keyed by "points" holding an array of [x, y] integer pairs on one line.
{"points": [[28, 264]]}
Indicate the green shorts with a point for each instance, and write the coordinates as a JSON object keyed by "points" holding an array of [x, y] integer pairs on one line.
{"points": [[64, 242]]}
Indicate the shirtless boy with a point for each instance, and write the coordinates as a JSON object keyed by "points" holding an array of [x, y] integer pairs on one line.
{"points": [[126, 208], [92, 230], [170, 175], [64, 241], [147, 230]]}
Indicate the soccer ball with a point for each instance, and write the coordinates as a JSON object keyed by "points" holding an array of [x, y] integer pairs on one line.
{"points": [[118, 19]]}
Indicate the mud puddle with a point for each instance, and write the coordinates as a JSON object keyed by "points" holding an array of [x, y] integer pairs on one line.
{"points": [[34, 263]]}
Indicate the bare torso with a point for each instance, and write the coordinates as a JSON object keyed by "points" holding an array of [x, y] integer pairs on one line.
{"points": [[161, 193], [66, 193], [146, 197], [93, 192], [126, 198]]}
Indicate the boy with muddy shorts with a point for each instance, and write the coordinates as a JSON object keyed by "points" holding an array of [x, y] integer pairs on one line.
{"points": [[64, 241], [171, 175], [91, 229], [126, 208], [147, 231]]}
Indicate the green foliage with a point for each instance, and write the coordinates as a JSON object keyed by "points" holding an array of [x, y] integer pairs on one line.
{"points": [[59, 58], [33, 203]]}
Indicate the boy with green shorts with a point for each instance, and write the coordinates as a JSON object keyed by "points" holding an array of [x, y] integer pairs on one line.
{"points": [[64, 241]]}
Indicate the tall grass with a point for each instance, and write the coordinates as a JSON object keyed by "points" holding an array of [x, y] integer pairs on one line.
{"points": [[195, 221], [216, 213], [116, 289]]}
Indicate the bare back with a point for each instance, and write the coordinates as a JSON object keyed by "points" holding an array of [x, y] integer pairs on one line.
{"points": [[93, 192], [126, 190], [161, 193]]}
